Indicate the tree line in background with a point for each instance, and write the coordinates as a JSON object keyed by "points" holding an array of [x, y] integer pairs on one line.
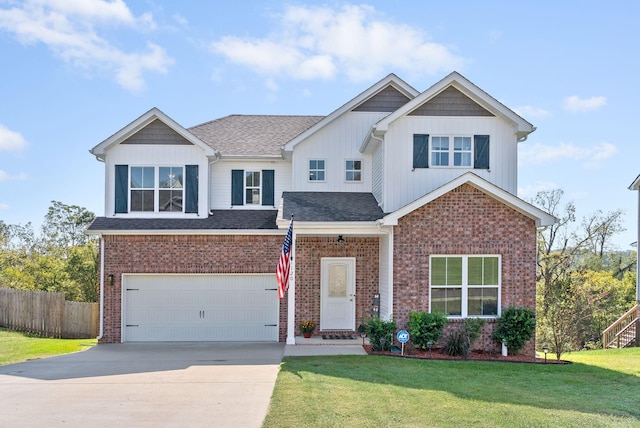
{"points": [[58, 258], [583, 284]]}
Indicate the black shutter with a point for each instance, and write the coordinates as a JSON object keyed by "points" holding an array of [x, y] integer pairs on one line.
{"points": [[237, 187], [481, 151], [268, 187], [191, 189], [121, 189], [421, 150]]}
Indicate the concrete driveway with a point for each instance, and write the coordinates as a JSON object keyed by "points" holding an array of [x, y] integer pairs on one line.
{"points": [[143, 385]]}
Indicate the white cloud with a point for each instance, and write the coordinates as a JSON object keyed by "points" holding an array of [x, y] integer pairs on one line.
{"points": [[531, 112], [3, 206], [319, 42], [530, 191], [576, 104], [591, 157], [11, 141], [4, 176], [68, 29]]}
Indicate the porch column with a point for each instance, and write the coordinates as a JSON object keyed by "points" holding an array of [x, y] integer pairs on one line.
{"points": [[291, 295]]}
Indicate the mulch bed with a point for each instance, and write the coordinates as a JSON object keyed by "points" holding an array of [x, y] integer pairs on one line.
{"points": [[437, 354]]}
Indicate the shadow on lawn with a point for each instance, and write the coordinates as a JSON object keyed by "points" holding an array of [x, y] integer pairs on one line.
{"points": [[573, 387]]}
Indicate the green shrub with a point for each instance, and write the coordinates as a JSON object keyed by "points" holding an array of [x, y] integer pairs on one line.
{"points": [[380, 333], [460, 341], [425, 327], [515, 327]]}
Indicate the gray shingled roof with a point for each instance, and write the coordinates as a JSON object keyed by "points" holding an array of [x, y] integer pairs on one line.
{"points": [[331, 206], [218, 220], [252, 135]]}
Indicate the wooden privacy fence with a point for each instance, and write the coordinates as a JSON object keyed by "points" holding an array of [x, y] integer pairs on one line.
{"points": [[47, 314]]}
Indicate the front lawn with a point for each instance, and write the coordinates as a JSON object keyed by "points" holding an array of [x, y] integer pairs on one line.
{"points": [[599, 389], [16, 347]]}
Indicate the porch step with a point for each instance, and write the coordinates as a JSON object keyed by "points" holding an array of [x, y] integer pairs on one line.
{"points": [[318, 340]]}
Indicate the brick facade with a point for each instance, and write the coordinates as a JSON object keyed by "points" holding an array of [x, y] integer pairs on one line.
{"points": [[183, 254], [464, 221], [309, 252]]}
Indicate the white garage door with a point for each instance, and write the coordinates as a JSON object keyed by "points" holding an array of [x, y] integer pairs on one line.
{"points": [[200, 308]]}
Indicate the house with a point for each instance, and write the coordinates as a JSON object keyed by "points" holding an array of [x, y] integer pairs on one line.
{"points": [[401, 196]]}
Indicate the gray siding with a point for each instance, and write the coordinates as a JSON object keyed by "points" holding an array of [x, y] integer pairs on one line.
{"points": [[450, 102], [156, 133], [389, 99]]}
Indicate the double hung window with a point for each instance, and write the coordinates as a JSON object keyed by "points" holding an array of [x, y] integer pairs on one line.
{"points": [[316, 170], [353, 170], [156, 193], [465, 286]]}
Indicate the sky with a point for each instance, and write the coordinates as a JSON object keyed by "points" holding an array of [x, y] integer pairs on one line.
{"points": [[75, 72]]}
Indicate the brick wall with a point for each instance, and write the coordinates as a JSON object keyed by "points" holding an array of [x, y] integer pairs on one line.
{"points": [[464, 221], [183, 254], [309, 251]]}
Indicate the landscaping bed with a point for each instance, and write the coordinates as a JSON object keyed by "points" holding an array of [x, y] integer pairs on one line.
{"points": [[437, 354]]}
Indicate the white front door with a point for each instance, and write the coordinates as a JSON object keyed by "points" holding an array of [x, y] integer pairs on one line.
{"points": [[338, 293]]}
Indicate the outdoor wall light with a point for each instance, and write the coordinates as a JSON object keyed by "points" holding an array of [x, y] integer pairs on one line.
{"points": [[545, 349], [340, 239], [110, 279]]}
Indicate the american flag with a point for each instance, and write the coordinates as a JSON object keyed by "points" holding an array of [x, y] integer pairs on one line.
{"points": [[282, 271]]}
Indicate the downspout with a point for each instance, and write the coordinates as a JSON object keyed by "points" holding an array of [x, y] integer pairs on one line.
{"points": [[101, 332]]}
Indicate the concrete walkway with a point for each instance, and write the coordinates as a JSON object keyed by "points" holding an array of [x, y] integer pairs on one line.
{"points": [[143, 385]]}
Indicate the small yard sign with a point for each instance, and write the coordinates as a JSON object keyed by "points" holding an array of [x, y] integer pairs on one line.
{"points": [[403, 337]]}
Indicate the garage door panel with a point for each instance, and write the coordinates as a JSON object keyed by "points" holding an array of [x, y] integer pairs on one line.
{"points": [[200, 308]]}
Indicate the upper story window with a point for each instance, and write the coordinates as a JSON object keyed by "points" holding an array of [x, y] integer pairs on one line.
{"points": [[465, 286], [353, 171], [156, 189], [450, 151], [316, 170], [252, 188]]}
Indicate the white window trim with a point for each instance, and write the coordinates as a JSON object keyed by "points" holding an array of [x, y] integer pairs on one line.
{"points": [[450, 151], [465, 287], [156, 189], [246, 173], [323, 170], [353, 170]]}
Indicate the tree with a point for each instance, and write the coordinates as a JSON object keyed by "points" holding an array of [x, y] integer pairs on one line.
{"points": [[65, 225]]}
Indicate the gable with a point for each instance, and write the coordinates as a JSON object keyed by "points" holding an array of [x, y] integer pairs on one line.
{"points": [[156, 133], [387, 100], [450, 102]]}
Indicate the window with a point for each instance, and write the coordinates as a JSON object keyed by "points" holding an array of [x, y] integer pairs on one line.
{"points": [[156, 189], [462, 286], [443, 153], [171, 185], [451, 151], [353, 170], [316, 170], [252, 187], [142, 188]]}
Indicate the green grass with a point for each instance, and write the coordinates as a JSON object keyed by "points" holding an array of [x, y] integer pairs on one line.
{"points": [[16, 347], [600, 389]]}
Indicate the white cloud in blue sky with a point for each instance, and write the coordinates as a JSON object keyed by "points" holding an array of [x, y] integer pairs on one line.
{"points": [[11, 141], [318, 42], [576, 104], [591, 157], [70, 29]]}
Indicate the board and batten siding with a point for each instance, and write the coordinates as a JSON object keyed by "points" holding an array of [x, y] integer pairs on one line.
{"points": [[336, 144], [220, 185], [156, 155], [386, 277], [378, 173], [406, 184]]}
